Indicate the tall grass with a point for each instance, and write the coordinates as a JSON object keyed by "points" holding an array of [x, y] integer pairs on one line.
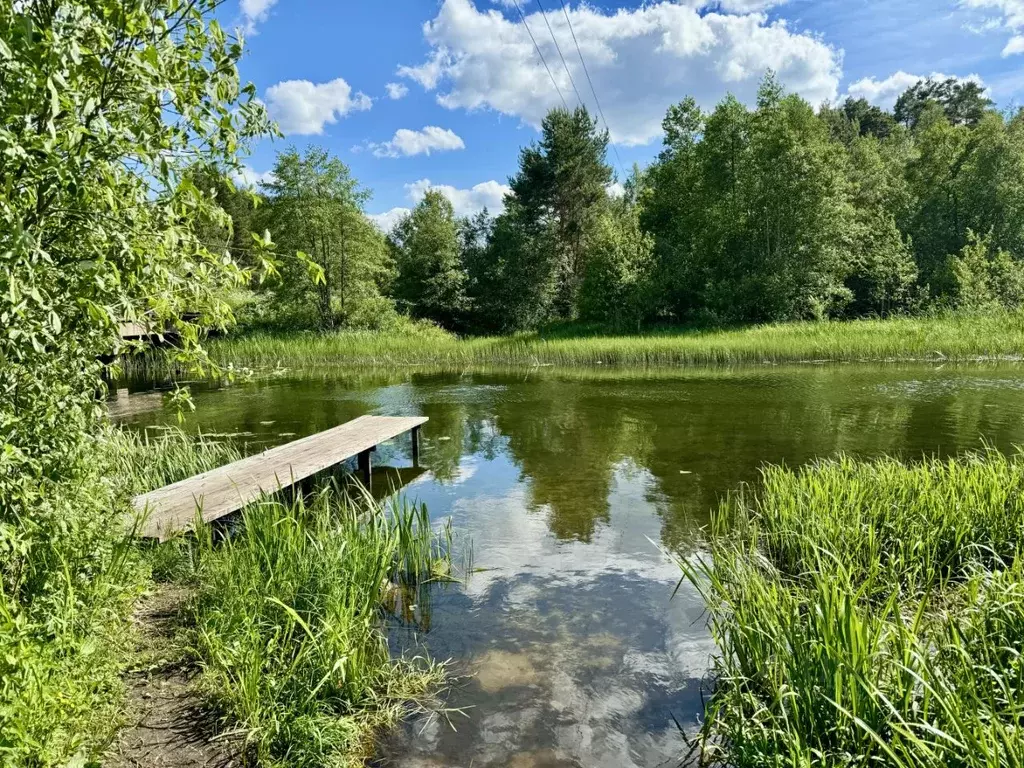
{"points": [[869, 614], [287, 619], [955, 337], [288, 614], [62, 652], [289, 624], [138, 462]]}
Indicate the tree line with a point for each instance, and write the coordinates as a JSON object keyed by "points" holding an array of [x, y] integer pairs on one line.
{"points": [[748, 214]]}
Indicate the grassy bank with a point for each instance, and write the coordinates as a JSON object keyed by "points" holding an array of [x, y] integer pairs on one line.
{"points": [[869, 614], [287, 618], [954, 337], [287, 621], [65, 602], [288, 625]]}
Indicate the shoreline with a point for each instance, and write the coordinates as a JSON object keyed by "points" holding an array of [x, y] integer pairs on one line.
{"points": [[934, 340]]}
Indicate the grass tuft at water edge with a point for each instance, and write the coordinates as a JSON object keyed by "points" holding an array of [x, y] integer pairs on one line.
{"points": [[869, 613]]}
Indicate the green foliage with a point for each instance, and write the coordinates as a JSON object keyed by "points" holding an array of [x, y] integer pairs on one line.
{"points": [[514, 280], [289, 628], [334, 261], [61, 691], [431, 281], [104, 106], [618, 284], [230, 227], [986, 277], [759, 214], [882, 274], [559, 191], [963, 101], [749, 210], [869, 613], [856, 118], [775, 213]]}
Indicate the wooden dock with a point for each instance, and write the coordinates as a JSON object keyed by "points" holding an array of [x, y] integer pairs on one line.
{"points": [[227, 489], [148, 330], [136, 331]]}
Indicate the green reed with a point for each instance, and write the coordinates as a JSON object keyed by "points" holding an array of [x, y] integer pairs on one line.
{"points": [[953, 337], [287, 620], [869, 613], [141, 461], [289, 623]]}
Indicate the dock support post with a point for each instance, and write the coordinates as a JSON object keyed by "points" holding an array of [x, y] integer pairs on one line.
{"points": [[366, 468], [415, 446]]}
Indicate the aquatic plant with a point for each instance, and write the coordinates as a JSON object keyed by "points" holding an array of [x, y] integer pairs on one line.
{"points": [[946, 337], [289, 623], [868, 613]]}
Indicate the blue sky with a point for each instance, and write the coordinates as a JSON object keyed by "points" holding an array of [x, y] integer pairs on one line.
{"points": [[415, 94]]}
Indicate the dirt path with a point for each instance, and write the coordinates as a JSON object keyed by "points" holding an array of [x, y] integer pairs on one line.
{"points": [[168, 726]]}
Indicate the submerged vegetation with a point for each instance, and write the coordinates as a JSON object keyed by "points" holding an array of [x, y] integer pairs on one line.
{"points": [[869, 613]]}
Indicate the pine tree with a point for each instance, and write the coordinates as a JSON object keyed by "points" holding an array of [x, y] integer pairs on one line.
{"points": [[561, 186]]}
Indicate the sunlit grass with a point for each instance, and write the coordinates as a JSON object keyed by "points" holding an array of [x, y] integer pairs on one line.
{"points": [[952, 337], [869, 613], [289, 624], [289, 610]]}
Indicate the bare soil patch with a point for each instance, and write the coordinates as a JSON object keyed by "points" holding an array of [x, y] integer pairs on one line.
{"points": [[168, 725]]}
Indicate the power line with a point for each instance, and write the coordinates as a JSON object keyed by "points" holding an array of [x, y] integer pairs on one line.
{"points": [[592, 89], [559, 49], [542, 60]]}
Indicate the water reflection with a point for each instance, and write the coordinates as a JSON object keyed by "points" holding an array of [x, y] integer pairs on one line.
{"points": [[573, 651]]}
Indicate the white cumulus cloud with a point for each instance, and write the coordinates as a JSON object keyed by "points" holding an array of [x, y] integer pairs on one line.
{"points": [[641, 60], [396, 90], [255, 12], [1009, 16], [304, 108], [246, 176], [465, 202], [884, 93], [1015, 46], [744, 6], [406, 142], [386, 221]]}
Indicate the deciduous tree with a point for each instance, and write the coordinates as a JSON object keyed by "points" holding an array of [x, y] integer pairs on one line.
{"points": [[104, 105], [315, 210], [431, 281]]}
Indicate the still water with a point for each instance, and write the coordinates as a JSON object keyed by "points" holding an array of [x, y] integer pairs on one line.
{"points": [[569, 647]]}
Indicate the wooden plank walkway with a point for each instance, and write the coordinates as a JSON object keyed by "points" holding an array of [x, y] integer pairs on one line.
{"points": [[227, 489], [131, 330]]}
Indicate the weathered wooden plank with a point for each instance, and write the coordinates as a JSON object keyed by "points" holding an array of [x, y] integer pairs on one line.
{"points": [[130, 331], [227, 489]]}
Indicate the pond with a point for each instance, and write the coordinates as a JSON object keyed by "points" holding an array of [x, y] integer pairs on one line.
{"points": [[568, 646]]}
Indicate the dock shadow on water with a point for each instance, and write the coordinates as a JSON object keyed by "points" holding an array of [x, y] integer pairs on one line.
{"points": [[567, 646]]}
